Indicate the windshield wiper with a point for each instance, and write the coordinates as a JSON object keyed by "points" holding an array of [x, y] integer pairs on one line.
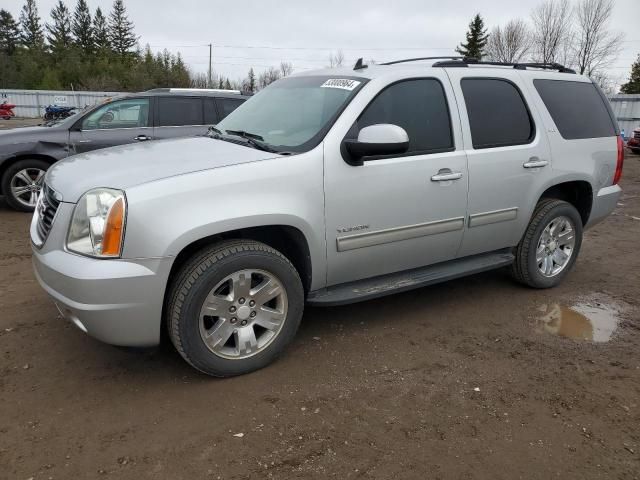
{"points": [[256, 141]]}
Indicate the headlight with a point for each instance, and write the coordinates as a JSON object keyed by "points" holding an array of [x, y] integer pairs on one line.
{"points": [[97, 226]]}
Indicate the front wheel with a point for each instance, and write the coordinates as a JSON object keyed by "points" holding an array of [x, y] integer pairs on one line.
{"points": [[234, 307], [22, 182], [550, 246]]}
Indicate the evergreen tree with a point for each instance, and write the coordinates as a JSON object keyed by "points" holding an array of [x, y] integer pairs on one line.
{"points": [[100, 33], [59, 32], [121, 34], [227, 85], [477, 38], [633, 85], [221, 82], [9, 33], [82, 27], [31, 28]]}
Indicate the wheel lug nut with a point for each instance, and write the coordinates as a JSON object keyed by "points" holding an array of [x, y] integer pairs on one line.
{"points": [[241, 301], [243, 323], [252, 303], [232, 309], [253, 314], [233, 320]]}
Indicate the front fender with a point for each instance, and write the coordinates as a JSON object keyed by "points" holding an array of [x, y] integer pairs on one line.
{"points": [[167, 215]]}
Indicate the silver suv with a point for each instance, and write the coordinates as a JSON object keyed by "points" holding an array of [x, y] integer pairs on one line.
{"points": [[328, 187]]}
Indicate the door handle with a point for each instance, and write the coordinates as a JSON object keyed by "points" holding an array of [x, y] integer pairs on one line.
{"points": [[535, 162], [142, 138], [446, 175]]}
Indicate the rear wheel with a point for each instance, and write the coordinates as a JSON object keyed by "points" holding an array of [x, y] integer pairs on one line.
{"points": [[22, 182], [234, 307], [550, 246]]}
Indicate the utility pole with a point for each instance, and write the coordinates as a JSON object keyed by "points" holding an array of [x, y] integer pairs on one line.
{"points": [[209, 85]]}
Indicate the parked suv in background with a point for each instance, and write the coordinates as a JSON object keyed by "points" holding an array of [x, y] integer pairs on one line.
{"points": [[26, 153], [327, 187], [634, 141]]}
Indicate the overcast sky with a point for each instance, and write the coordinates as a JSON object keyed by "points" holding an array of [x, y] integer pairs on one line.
{"points": [[304, 32]]}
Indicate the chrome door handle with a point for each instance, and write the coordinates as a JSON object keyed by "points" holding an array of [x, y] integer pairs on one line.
{"points": [[142, 138], [535, 162], [446, 175]]}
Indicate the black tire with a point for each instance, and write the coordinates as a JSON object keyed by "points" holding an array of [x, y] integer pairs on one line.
{"points": [[5, 182], [525, 268], [636, 151], [202, 273]]}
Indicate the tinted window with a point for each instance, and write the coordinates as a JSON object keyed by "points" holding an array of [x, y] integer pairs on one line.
{"points": [[130, 113], [497, 113], [418, 106], [177, 111], [227, 105], [210, 113], [577, 109]]}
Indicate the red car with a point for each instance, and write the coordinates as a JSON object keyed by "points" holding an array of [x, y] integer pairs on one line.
{"points": [[634, 141]]}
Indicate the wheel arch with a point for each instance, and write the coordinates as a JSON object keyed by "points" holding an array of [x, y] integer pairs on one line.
{"points": [[578, 193]]}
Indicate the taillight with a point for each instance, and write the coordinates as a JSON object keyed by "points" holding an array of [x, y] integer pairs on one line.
{"points": [[620, 162]]}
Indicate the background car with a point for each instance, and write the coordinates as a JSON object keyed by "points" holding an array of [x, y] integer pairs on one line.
{"points": [[634, 141], [26, 153]]}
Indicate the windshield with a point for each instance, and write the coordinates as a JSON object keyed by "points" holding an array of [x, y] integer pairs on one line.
{"points": [[293, 114]]}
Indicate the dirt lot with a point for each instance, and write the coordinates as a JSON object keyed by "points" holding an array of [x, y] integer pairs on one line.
{"points": [[461, 380]]}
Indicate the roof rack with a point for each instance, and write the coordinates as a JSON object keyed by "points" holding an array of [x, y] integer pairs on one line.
{"points": [[407, 60], [466, 61], [458, 61]]}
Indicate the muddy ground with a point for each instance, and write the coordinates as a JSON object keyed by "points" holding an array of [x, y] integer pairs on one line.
{"points": [[457, 381]]}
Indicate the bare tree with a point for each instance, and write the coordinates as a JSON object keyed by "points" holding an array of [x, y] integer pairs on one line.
{"points": [[286, 69], [200, 80], [551, 31], [509, 43], [269, 76], [336, 59], [596, 47]]}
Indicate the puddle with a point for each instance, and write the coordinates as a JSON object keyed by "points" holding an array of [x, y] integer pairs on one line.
{"points": [[589, 321]]}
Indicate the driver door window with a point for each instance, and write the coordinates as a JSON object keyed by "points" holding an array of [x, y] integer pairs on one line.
{"points": [[130, 113]]}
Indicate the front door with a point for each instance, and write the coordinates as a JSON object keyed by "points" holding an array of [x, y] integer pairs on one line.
{"points": [[115, 123], [397, 212], [508, 155]]}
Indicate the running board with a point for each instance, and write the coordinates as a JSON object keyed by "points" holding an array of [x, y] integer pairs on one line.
{"points": [[409, 279]]}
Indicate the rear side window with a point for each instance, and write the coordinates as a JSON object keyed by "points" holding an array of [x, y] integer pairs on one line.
{"points": [[577, 109], [227, 105], [179, 111], [418, 106], [210, 113], [498, 115]]}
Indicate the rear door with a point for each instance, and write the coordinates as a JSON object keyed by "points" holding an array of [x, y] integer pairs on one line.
{"points": [[508, 156], [115, 123], [179, 116]]}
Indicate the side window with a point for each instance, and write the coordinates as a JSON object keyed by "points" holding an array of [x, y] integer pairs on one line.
{"points": [[179, 111], [130, 113], [577, 109], [227, 105], [498, 115], [418, 106], [210, 113]]}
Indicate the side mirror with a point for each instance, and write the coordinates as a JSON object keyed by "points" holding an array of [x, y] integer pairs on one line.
{"points": [[381, 139]]}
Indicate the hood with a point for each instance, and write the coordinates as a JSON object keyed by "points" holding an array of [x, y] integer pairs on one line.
{"points": [[129, 165]]}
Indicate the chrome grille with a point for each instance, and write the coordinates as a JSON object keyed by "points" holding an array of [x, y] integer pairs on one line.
{"points": [[46, 211]]}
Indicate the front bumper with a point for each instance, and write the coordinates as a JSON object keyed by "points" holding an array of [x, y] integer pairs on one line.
{"points": [[603, 204], [117, 301]]}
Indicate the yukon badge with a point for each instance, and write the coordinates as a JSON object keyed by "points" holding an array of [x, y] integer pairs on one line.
{"points": [[355, 228]]}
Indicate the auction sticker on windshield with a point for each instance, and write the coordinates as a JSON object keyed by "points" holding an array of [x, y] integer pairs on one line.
{"points": [[342, 83]]}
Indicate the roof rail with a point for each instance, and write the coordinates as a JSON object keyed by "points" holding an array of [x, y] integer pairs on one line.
{"points": [[407, 60], [466, 61], [195, 90]]}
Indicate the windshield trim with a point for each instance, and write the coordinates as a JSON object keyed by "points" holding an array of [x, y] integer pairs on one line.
{"points": [[314, 141]]}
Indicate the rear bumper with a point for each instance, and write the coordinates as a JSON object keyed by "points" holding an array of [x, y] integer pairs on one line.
{"points": [[115, 301], [603, 204]]}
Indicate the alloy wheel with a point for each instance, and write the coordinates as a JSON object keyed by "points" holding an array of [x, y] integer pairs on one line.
{"points": [[26, 185], [555, 246]]}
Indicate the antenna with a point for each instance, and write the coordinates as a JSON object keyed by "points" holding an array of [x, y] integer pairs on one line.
{"points": [[359, 64]]}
